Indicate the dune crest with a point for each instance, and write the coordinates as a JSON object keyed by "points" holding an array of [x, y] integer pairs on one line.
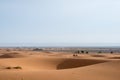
{"points": [[11, 55]]}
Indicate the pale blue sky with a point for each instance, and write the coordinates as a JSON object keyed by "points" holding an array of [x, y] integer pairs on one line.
{"points": [[59, 21]]}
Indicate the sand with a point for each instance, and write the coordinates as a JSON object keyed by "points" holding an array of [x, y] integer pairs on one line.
{"points": [[31, 65]]}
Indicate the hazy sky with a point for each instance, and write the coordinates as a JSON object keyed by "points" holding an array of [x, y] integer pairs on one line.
{"points": [[59, 21]]}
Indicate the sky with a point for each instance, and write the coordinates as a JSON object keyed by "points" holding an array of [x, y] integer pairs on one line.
{"points": [[59, 22]]}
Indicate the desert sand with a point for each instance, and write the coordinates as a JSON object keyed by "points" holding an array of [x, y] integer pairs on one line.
{"points": [[35, 65]]}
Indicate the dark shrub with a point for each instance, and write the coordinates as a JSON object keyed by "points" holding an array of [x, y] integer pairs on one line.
{"points": [[8, 67], [75, 55], [17, 67], [82, 51], [111, 52], [99, 52], [87, 52]]}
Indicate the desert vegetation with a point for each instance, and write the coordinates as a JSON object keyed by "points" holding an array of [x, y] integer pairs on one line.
{"points": [[16, 67], [111, 52], [75, 55], [37, 49]]}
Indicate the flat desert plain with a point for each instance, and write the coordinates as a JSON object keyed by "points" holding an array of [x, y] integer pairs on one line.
{"points": [[41, 65]]}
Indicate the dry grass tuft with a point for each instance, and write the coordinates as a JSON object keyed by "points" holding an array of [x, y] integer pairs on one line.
{"points": [[17, 67]]}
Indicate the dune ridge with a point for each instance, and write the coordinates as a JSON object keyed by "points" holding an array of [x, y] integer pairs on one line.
{"points": [[11, 55]]}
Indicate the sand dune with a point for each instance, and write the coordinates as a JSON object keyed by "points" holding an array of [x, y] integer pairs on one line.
{"points": [[45, 67], [98, 55], [74, 63], [114, 57], [48, 63], [11, 55]]}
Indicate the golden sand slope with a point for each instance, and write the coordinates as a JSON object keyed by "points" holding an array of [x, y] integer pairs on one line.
{"points": [[39, 67], [47, 63]]}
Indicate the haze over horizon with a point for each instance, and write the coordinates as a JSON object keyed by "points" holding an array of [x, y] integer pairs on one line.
{"points": [[59, 22]]}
